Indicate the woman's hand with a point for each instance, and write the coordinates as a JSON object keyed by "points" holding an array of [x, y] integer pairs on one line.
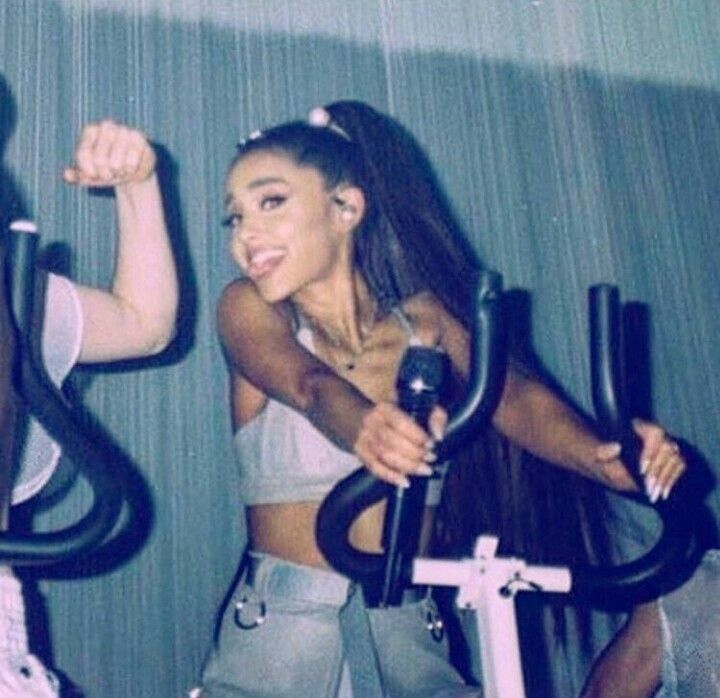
{"points": [[110, 155], [661, 462], [392, 445]]}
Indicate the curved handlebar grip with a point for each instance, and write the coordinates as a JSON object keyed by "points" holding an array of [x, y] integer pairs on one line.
{"points": [[607, 367], [487, 366], [606, 358], [20, 274], [360, 490], [649, 576], [51, 410], [347, 500]]}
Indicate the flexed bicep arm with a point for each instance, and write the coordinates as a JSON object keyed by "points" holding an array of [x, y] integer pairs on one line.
{"points": [[136, 316], [265, 359]]}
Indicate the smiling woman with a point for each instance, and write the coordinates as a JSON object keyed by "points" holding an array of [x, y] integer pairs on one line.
{"points": [[287, 228], [350, 257]]}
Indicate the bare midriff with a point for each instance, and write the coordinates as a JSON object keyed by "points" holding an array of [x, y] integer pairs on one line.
{"points": [[288, 531]]}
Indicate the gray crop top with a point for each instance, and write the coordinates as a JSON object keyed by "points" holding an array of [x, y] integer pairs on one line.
{"points": [[284, 458]]}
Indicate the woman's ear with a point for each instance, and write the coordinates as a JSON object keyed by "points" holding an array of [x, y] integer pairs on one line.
{"points": [[349, 202]]}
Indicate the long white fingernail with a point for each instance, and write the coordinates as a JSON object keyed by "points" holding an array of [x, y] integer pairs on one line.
{"points": [[649, 485], [424, 470], [666, 491], [656, 493], [404, 483]]}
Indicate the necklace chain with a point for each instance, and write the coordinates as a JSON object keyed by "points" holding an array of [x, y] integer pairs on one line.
{"points": [[338, 346]]}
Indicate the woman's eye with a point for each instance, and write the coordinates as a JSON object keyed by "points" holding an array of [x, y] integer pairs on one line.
{"points": [[232, 221], [270, 202]]}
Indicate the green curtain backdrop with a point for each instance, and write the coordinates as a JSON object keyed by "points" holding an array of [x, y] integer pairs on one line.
{"points": [[577, 141]]}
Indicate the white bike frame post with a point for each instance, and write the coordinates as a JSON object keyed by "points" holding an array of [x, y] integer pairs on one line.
{"points": [[488, 584]]}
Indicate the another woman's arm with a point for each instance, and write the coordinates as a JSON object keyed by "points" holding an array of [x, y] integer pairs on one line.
{"points": [[631, 664], [136, 317]]}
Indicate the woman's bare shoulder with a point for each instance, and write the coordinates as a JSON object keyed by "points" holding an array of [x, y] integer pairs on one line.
{"points": [[242, 309], [437, 326], [425, 311], [239, 293], [423, 303]]}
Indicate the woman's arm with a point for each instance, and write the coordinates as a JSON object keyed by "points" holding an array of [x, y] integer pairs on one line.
{"points": [[265, 359], [136, 317], [631, 664], [538, 420]]}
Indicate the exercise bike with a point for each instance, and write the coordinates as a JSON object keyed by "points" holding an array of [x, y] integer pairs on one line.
{"points": [[486, 583], [93, 455]]}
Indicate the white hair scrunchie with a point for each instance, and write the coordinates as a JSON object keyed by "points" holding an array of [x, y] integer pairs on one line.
{"points": [[320, 117]]}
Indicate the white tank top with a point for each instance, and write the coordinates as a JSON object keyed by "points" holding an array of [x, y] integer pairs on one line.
{"points": [[61, 341]]}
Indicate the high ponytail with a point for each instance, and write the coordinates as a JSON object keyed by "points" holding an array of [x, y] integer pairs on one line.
{"points": [[411, 241]]}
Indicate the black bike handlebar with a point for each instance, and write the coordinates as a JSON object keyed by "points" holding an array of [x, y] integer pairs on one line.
{"points": [[383, 575], [655, 572], [644, 579], [48, 406]]}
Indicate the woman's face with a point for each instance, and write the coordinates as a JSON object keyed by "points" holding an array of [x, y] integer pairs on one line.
{"points": [[285, 229]]}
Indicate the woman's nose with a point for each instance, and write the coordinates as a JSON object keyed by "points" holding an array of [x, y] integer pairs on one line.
{"points": [[249, 229], [241, 234]]}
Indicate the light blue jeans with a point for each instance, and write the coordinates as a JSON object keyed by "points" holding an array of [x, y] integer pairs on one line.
{"points": [[691, 633], [287, 631]]}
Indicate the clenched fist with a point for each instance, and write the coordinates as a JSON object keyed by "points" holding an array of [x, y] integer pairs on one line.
{"points": [[109, 155]]}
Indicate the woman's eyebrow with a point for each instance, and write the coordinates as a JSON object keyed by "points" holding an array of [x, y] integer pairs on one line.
{"points": [[262, 181], [255, 184]]}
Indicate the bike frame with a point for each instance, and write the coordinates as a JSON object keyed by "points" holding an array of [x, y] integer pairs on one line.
{"points": [[487, 585]]}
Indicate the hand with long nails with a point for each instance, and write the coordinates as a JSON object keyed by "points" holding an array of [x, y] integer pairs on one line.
{"points": [[661, 461]]}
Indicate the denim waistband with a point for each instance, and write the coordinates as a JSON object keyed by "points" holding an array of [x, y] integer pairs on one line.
{"points": [[267, 574], [272, 575]]}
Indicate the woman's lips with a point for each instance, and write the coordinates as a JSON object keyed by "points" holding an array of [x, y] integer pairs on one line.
{"points": [[262, 262]]}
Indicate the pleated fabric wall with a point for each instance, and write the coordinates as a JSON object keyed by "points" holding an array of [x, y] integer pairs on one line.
{"points": [[578, 143]]}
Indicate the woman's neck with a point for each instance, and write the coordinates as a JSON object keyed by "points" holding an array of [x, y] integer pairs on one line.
{"points": [[341, 309]]}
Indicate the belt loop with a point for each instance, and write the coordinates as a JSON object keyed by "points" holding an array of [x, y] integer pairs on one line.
{"points": [[250, 608]]}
